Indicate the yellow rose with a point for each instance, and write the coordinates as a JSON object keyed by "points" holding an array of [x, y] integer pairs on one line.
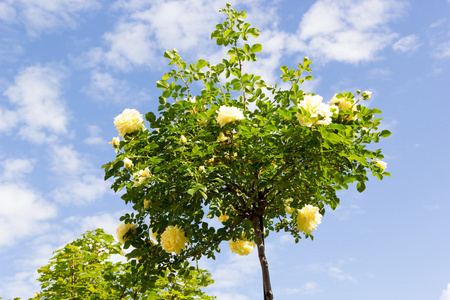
{"points": [[128, 121], [381, 164], [141, 176], [153, 234], [344, 104], [173, 239], [115, 142], [287, 208], [316, 111], [222, 218], [227, 115], [123, 229], [241, 246], [146, 203], [308, 218], [221, 138], [127, 163]]}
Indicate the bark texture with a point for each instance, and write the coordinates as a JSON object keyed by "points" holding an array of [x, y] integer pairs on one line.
{"points": [[259, 234]]}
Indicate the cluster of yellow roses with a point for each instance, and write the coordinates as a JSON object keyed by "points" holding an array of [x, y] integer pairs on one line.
{"points": [[314, 111]]}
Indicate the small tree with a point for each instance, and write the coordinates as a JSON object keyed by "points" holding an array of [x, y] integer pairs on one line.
{"points": [[258, 157], [83, 270]]}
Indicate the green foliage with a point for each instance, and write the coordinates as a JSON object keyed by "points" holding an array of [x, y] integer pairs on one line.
{"points": [[264, 159], [83, 269]]}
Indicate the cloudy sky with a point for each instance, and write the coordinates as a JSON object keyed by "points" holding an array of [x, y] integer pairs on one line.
{"points": [[68, 67]]}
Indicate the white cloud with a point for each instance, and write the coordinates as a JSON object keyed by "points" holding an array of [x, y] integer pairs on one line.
{"points": [[20, 284], [77, 181], [15, 169], [9, 49], [432, 207], [40, 111], [107, 221], [94, 136], [45, 15], [380, 73], [140, 38], [183, 24], [333, 269], [130, 46], [339, 274], [7, 11], [8, 119], [66, 160], [445, 293], [236, 272], [309, 288], [345, 212], [347, 31], [24, 213], [104, 87], [407, 43], [442, 50]]}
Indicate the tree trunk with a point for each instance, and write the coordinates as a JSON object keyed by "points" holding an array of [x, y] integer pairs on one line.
{"points": [[259, 234]]}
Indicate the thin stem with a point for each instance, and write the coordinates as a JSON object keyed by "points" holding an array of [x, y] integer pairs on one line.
{"points": [[123, 291], [259, 236], [240, 71], [181, 77], [73, 278]]}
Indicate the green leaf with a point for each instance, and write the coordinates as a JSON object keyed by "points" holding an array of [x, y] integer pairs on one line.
{"points": [[256, 48], [385, 133], [254, 31], [168, 55], [162, 84], [360, 186], [201, 63], [375, 111], [150, 117]]}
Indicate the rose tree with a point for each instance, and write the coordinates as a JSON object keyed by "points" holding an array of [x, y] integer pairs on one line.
{"points": [[258, 157]]}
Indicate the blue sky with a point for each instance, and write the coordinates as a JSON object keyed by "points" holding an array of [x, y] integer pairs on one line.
{"points": [[68, 67]]}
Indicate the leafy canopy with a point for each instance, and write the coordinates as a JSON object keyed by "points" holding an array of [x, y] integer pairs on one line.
{"points": [[251, 168], [84, 269]]}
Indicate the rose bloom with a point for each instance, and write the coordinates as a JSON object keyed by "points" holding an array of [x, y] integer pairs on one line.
{"points": [[222, 218], [153, 235], [287, 208], [183, 139], [123, 229], [221, 138], [366, 95], [308, 218], [146, 203], [128, 121], [229, 114], [319, 112], [241, 247], [140, 176], [343, 104], [127, 163], [173, 239], [115, 142], [381, 164]]}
